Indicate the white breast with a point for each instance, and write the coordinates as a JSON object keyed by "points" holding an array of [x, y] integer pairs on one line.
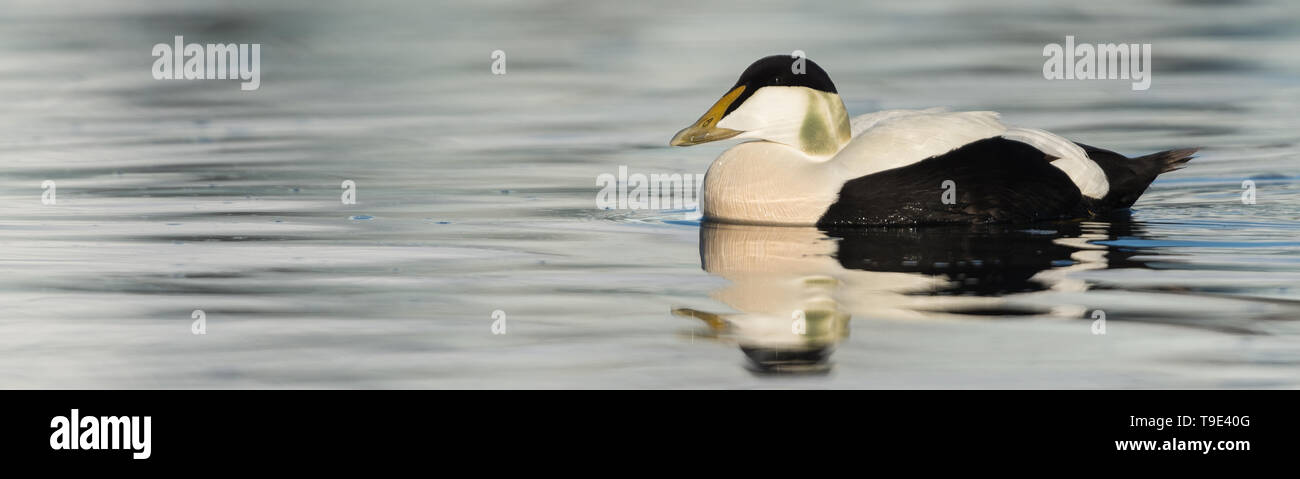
{"points": [[762, 182]]}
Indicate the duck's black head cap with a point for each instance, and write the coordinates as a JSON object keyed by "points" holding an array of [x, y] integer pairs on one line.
{"points": [[781, 70]]}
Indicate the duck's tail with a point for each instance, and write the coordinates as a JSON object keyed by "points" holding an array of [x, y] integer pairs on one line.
{"points": [[1129, 177], [1169, 160]]}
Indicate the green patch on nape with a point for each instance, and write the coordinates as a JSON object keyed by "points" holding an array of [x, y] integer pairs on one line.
{"points": [[818, 135]]}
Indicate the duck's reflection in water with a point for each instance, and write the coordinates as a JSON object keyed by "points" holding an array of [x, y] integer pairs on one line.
{"points": [[795, 289]]}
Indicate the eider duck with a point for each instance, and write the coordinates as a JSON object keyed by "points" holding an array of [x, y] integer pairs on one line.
{"points": [[813, 165]]}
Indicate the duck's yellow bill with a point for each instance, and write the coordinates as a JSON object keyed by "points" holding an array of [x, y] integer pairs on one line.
{"points": [[706, 128]]}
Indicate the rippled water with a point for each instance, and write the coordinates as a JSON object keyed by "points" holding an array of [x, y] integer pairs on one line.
{"points": [[476, 193]]}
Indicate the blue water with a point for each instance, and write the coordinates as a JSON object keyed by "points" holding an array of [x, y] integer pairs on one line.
{"points": [[476, 194]]}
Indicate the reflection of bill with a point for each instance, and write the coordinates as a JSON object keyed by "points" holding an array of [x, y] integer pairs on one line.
{"points": [[776, 273], [799, 341]]}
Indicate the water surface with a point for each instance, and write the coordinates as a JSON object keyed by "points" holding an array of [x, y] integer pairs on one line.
{"points": [[476, 193]]}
